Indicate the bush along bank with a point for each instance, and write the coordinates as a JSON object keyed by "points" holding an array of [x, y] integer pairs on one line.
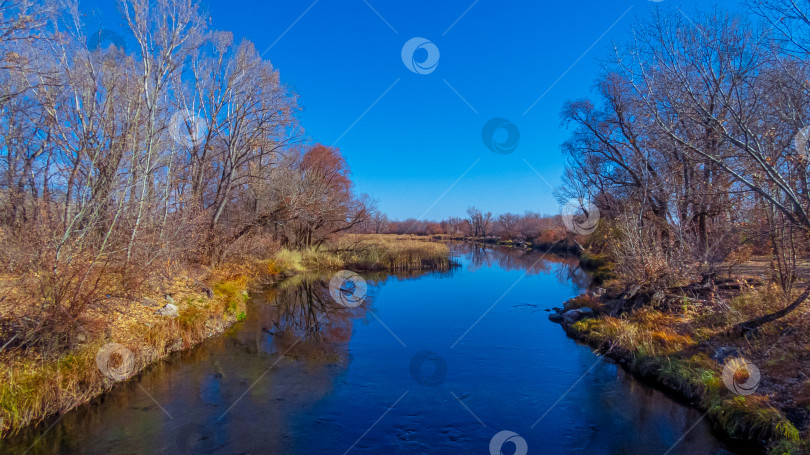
{"points": [[117, 341], [681, 343], [120, 337], [562, 247]]}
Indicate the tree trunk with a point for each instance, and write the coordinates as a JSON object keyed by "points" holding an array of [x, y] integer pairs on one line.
{"points": [[752, 325]]}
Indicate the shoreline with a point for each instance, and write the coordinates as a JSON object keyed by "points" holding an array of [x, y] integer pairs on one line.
{"points": [[563, 249], [689, 375], [198, 323], [35, 390], [54, 386]]}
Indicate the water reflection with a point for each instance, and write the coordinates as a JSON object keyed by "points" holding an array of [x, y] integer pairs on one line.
{"points": [[565, 269], [304, 374], [301, 320]]}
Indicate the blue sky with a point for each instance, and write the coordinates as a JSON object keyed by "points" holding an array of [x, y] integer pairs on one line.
{"points": [[413, 141]]}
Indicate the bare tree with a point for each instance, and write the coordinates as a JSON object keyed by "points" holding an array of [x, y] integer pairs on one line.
{"points": [[699, 122]]}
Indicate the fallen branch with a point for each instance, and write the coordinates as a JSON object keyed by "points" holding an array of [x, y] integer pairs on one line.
{"points": [[748, 327]]}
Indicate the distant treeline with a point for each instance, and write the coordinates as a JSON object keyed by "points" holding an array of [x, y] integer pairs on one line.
{"points": [[527, 227]]}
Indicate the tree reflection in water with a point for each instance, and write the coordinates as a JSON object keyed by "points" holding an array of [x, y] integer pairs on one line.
{"points": [[532, 262], [298, 317]]}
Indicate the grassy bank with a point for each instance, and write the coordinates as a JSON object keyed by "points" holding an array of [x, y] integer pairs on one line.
{"points": [[36, 383], [366, 253], [562, 246], [683, 348]]}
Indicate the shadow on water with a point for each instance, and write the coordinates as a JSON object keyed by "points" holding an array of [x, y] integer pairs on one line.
{"points": [[428, 363]]}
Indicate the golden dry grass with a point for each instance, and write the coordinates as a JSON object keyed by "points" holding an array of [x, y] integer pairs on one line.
{"points": [[675, 350], [364, 252], [392, 252], [35, 384]]}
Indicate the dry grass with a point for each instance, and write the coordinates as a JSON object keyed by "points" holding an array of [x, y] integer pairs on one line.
{"points": [[584, 301], [675, 350], [392, 252], [647, 332], [363, 252], [35, 384]]}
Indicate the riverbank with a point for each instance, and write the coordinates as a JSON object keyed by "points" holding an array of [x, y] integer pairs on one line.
{"points": [[682, 343], [120, 336], [369, 252], [564, 246], [39, 379], [597, 265]]}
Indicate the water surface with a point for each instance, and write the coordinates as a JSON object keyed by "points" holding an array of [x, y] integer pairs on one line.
{"points": [[438, 363]]}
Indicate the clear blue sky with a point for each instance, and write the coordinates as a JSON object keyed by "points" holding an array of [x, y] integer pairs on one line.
{"points": [[420, 137]]}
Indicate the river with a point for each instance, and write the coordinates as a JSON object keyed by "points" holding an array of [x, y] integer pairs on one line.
{"points": [[463, 361]]}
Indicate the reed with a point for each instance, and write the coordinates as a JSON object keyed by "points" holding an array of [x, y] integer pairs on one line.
{"points": [[366, 252], [392, 252]]}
